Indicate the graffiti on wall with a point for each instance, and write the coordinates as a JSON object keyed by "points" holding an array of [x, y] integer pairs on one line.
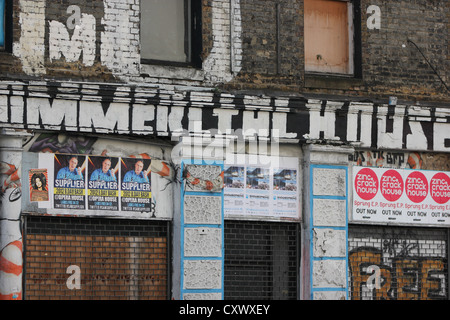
{"points": [[60, 143], [11, 263], [385, 159], [10, 175], [11, 271], [400, 160], [402, 274], [82, 41], [197, 178], [167, 115]]}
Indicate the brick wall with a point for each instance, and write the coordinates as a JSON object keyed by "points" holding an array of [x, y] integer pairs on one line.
{"points": [[387, 67], [392, 69], [268, 63], [262, 60]]}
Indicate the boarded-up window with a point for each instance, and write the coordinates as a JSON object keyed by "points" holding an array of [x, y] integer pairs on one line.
{"points": [[68, 258], [328, 36]]}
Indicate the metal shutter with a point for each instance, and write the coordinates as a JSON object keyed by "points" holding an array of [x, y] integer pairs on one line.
{"points": [[117, 259], [261, 260]]}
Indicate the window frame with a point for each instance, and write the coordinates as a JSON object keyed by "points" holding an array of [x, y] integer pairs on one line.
{"points": [[354, 45], [7, 27], [192, 43]]}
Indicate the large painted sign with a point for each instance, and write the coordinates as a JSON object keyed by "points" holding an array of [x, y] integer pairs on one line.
{"points": [[419, 197], [161, 113]]}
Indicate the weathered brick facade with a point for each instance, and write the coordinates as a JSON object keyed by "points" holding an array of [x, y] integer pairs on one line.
{"points": [[269, 53], [72, 82]]}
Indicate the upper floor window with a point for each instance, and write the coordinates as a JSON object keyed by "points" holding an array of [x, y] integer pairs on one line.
{"points": [[5, 25], [171, 31], [329, 36]]}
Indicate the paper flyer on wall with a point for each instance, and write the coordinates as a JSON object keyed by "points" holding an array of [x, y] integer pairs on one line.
{"points": [[97, 183], [257, 191], [285, 191], [69, 183], [38, 180], [103, 186], [252, 189], [135, 184], [234, 189], [401, 196]]}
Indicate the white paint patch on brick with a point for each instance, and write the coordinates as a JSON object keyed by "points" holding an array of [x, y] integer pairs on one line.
{"points": [[391, 140], [55, 113], [31, 48], [92, 115], [120, 40], [218, 65], [71, 48], [326, 122]]}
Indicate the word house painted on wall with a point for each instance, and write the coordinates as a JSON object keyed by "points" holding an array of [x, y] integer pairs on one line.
{"points": [[161, 113]]}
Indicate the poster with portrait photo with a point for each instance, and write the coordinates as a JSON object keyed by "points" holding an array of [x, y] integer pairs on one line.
{"points": [[136, 193], [38, 179], [103, 184], [69, 181]]}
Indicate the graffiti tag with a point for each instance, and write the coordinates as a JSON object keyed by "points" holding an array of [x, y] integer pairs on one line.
{"points": [[406, 278]]}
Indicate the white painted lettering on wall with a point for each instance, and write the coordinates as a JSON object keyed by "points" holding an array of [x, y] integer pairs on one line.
{"points": [[374, 20], [82, 41], [377, 127], [74, 281], [75, 19]]}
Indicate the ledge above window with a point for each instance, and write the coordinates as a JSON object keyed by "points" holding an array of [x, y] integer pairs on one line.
{"points": [[331, 81], [172, 72]]}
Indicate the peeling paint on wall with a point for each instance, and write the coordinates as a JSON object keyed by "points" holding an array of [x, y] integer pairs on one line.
{"points": [[226, 55], [82, 42], [31, 48], [121, 30]]}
